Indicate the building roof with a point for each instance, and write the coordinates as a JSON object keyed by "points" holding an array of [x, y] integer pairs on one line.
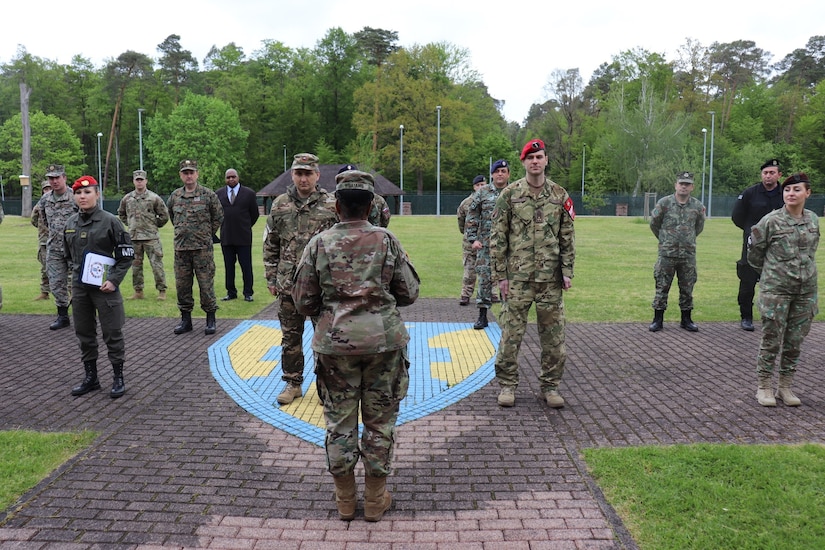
{"points": [[383, 186]]}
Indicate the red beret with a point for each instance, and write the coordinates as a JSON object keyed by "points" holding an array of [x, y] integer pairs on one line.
{"points": [[84, 181], [800, 177], [531, 147]]}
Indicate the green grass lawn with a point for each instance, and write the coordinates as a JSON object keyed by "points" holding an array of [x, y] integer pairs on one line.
{"points": [[691, 496]]}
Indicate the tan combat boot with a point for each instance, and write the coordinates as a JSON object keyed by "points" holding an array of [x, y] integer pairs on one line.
{"points": [[784, 391], [42, 296], [377, 499], [507, 396], [162, 295], [345, 496], [553, 399], [764, 394], [138, 295], [291, 391]]}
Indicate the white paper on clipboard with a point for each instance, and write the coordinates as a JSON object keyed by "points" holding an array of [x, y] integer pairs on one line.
{"points": [[96, 269]]}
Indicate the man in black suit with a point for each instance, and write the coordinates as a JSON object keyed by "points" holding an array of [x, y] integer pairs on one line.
{"points": [[240, 212]]}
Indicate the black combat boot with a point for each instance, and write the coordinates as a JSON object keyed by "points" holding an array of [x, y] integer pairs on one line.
{"points": [[687, 323], [210, 323], [118, 386], [185, 324], [482, 319], [62, 320], [90, 382], [658, 320]]}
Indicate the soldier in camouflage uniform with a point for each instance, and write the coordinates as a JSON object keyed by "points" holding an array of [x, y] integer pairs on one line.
{"points": [[676, 221], [296, 216], [39, 222], [782, 249], [532, 250], [56, 208], [352, 277], [197, 215], [144, 212], [95, 231], [469, 254], [479, 223], [379, 209]]}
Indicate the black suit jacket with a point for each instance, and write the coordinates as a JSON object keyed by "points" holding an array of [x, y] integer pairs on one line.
{"points": [[239, 217]]}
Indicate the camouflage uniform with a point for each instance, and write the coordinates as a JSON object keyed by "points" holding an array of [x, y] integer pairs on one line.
{"points": [[197, 216], [100, 232], [676, 226], [291, 223], [532, 245], [468, 255], [379, 212], [352, 277], [39, 221], [144, 213], [782, 250], [56, 209], [478, 227]]}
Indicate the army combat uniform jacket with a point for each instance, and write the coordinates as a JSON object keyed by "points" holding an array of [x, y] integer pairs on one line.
{"points": [[532, 237], [291, 223], [144, 213], [677, 225], [196, 217]]}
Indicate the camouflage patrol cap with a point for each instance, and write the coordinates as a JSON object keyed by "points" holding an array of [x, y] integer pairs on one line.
{"points": [[139, 174], [686, 177], [45, 184], [188, 164], [55, 170], [305, 161], [355, 179]]}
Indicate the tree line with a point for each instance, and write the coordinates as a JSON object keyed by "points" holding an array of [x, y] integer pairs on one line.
{"points": [[637, 122]]}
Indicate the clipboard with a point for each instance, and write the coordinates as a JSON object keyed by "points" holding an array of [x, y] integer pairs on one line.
{"points": [[95, 269]]}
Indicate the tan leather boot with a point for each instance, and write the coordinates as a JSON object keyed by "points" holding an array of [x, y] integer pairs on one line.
{"points": [[764, 393], [138, 295], [162, 295], [377, 499], [345, 496], [784, 391]]}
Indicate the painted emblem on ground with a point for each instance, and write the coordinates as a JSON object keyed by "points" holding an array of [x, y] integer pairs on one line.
{"points": [[448, 362]]}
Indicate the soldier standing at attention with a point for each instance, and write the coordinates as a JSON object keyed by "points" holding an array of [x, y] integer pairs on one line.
{"points": [[353, 277], [782, 250], [750, 207], [144, 212], [56, 208], [197, 215], [95, 231], [479, 223], [468, 282], [39, 221], [303, 211], [532, 250], [676, 221]]}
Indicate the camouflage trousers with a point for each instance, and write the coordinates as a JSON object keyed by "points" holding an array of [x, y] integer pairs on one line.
{"points": [[376, 383], [484, 296], [468, 282], [292, 340], [154, 253], [58, 271], [44, 269], [188, 265], [786, 321], [90, 304], [663, 272], [550, 320]]}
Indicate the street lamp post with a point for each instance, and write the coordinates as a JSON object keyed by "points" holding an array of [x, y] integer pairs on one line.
{"points": [[140, 135], [284, 157], [710, 174], [99, 168], [401, 178], [438, 167], [704, 158], [583, 159]]}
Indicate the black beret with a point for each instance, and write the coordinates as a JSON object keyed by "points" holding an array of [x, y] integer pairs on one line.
{"points": [[769, 164]]}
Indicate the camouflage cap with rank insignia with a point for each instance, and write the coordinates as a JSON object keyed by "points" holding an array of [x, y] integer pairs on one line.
{"points": [[139, 175], [685, 177], [305, 161], [55, 170], [355, 179], [188, 164]]}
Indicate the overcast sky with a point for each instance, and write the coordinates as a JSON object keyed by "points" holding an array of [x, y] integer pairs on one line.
{"points": [[515, 47]]}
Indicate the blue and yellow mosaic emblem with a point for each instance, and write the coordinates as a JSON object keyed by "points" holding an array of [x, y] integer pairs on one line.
{"points": [[448, 362]]}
